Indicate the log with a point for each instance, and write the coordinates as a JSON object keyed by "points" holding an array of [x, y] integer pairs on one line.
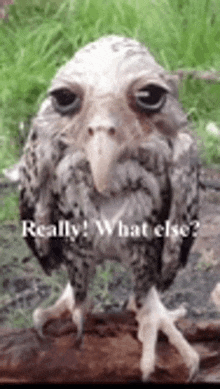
{"points": [[110, 352]]}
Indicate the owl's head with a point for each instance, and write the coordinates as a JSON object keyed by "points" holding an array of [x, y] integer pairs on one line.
{"points": [[110, 96]]}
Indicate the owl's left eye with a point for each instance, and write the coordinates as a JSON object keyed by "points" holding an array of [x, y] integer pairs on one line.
{"points": [[151, 98], [65, 101]]}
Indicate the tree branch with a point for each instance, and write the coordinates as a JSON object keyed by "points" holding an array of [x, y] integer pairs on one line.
{"points": [[209, 76]]}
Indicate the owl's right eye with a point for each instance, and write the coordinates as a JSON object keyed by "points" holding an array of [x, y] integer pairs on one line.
{"points": [[65, 101], [151, 98]]}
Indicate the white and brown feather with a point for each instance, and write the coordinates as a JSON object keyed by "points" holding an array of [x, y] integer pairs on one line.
{"points": [[143, 167]]}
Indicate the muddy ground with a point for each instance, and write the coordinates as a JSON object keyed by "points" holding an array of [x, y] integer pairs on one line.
{"points": [[23, 285]]}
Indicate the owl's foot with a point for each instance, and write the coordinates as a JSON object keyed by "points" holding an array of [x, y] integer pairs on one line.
{"points": [[64, 303], [152, 317]]}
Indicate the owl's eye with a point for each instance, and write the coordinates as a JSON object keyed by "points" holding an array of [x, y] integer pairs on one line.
{"points": [[65, 101], [151, 98]]}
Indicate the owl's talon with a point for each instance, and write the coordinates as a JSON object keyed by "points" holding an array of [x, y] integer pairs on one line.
{"points": [[78, 319], [131, 304], [79, 341], [38, 320], [152, 317], [65, 302]]}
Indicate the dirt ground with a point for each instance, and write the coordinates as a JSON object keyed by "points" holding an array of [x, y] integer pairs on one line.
{"points": [[192, 285], [196, 281]]}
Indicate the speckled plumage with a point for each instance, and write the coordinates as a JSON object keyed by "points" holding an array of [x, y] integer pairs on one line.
{"points": [[110, 158]]}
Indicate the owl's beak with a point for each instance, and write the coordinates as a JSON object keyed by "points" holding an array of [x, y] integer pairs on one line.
{"points": [[102, 151]]}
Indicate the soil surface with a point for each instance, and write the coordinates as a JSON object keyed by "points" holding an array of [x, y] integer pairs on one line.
{"points": [[24, 286], [196, 281]]}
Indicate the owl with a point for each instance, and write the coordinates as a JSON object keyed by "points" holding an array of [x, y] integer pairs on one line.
{"points": [[111, 171]]}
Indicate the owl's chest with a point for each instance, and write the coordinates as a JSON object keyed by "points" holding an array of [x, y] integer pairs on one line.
{"points": [[111, 221], [108, 225]]}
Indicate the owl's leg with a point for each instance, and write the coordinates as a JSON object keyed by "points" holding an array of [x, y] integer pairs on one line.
{"points": [[152, 317], [65, 302], [80, 270], [72, 299]]}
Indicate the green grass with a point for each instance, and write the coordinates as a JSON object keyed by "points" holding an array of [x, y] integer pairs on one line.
{"points": [[40, 36], [9, 207], [200, 100], [18, 263]]}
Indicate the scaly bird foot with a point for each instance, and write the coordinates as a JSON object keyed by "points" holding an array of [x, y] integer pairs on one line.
{"points": [[64, 303], [152, 317], [78, 319]]}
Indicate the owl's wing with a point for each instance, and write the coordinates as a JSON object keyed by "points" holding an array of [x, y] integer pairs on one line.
{"points": [[182, 223], [36, 199]]}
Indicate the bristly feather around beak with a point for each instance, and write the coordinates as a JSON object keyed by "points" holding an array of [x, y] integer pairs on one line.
{"points": [[102, 152]]}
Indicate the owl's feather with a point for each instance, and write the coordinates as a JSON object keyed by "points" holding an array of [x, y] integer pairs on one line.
{"points": [[110, 145]]}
